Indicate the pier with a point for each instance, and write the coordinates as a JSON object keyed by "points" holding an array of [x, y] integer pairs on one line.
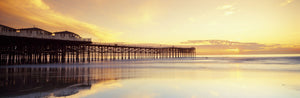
{"points": [[38, 46]]}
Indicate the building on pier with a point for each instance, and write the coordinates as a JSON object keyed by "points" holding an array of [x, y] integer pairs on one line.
{"points": [[41, 34], [4, 28], [35, 32], [67, 35]]}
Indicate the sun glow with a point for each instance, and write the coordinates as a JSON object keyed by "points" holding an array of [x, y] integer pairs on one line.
{"points": [[236, 50]]}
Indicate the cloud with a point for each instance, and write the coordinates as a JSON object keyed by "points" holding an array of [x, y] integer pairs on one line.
{"points": [[218, 47], [234, 47], [228, 9], [228, 13], [224, 44], [286, 2], [25, 13], [225, 7], [217, 42]]}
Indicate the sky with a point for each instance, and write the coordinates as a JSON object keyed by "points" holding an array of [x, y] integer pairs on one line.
{"points": [[212, 26]]}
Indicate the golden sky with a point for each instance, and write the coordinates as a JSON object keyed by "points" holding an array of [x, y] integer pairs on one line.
{"points": [[212, 26]]}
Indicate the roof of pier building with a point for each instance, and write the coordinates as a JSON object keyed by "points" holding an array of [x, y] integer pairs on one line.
{"points": [[65, 33], [35, 29], [7, 28]]}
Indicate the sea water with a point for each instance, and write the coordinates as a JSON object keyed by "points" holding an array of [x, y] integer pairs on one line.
{"points": [[205, 76]]}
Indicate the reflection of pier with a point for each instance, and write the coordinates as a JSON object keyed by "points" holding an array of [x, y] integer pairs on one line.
{"points": [[35, 46], [57, 80]]}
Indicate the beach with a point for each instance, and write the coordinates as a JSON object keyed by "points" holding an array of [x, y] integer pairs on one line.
{"points": [[260, 76]]}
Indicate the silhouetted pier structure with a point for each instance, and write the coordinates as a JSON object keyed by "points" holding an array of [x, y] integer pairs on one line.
{"points": [[37, 46]]}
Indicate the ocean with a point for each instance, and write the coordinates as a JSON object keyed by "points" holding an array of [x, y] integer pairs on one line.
{"points": [[204, 76]]}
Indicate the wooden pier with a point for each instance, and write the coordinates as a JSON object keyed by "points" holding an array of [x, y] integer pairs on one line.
{"points": [[29, 50]]}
